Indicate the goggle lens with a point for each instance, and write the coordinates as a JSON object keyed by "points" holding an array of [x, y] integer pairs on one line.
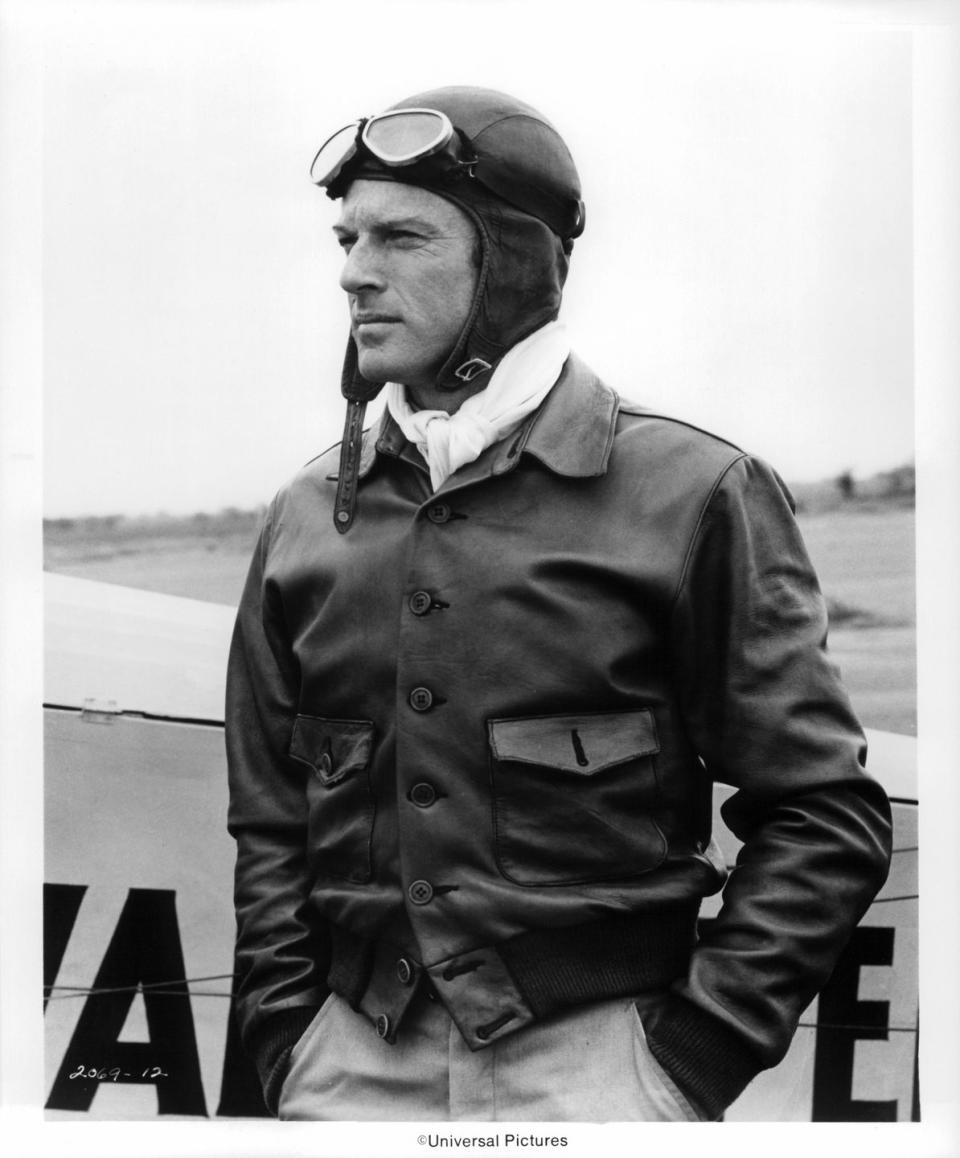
{"points": [[406, 135], [334, 154]]}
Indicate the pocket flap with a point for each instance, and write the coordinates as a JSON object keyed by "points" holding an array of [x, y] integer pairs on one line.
{"points": [[332, 748], [581, 744]]}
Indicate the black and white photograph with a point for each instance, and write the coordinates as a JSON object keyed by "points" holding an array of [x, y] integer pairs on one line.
{"points": [[479, 489]]}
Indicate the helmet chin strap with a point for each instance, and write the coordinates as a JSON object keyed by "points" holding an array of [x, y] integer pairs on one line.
{"points": [[358, 391], [346, 501]]}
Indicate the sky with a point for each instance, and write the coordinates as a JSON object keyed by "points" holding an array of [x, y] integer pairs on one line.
{"points": [[747, 263]]}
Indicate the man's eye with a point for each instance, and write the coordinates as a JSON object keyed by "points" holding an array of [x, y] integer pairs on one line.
{"points": [[346, 243]]}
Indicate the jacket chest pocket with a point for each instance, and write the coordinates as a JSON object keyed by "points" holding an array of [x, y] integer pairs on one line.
{"points": [[573, 797], [340, 798]]}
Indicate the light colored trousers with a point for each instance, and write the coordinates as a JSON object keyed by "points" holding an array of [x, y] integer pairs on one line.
{"points": [[590, 1064]]}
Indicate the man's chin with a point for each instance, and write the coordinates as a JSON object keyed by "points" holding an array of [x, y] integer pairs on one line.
{"points": [[377, 368]]}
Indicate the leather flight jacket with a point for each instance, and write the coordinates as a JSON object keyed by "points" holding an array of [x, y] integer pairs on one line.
{"points": [[472, 745]]}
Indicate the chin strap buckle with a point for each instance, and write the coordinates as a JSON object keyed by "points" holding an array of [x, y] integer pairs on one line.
{"points": [[471, 369]]}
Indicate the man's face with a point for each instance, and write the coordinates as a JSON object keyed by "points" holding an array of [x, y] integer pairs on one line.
{"points": [[410, 275]]}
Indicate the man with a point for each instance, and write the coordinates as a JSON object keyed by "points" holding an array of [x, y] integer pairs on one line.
{"points": [[489, 662]]}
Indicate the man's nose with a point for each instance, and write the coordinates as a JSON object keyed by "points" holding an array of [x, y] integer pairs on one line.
{"points": [[362, 270]]}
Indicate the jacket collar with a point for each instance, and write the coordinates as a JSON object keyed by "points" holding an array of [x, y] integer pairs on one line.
{"points": [[571, 433]]}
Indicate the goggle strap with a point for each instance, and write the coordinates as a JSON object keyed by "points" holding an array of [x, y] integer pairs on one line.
{"points": [[560, 214]]}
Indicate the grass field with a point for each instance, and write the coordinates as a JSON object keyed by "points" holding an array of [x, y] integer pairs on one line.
{"points": [[864, 554], [200, 557], [866, 563]]}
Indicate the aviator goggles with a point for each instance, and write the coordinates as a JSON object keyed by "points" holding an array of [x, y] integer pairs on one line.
{"points": [[403, 137], [397, 138]]}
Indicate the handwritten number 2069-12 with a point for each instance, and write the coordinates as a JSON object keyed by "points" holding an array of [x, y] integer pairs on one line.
{"points": [[91, 1073]]}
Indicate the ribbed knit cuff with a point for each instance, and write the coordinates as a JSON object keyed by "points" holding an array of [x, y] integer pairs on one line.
{"points": [[271, 1046], [708, 1061]]}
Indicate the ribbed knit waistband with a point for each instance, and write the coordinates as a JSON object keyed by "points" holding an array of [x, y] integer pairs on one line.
{"points": [[612, 957], [553, 969]]}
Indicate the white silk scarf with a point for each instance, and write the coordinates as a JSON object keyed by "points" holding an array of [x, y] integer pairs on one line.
{"points": [[521, 381]]}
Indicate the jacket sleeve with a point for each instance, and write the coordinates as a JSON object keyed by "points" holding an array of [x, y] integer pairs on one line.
{"points": [[767, 714], [281, 956]]}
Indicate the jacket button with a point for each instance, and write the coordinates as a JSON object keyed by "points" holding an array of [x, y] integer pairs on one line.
{"points": [[421, 602], [325, 764], [420, 892], [423, 794], [439, 513], [383, 1025], [421, 699], [404, 971]]}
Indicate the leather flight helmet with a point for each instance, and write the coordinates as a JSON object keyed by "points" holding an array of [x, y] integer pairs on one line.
{"points": [[517, 182]]}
